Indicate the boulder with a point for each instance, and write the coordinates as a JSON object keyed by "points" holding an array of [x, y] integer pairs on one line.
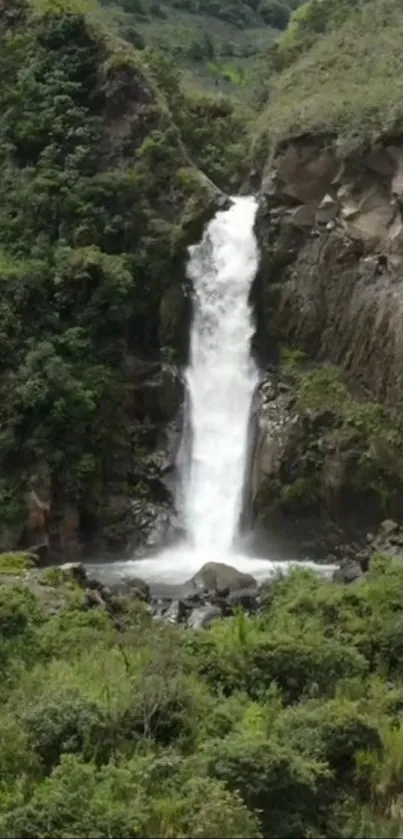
{"points": [[217, 576], [247, 598], [75, 571], [349, 571], [202, 617], [134, 586], [306, 172], [303, 216], [176, 612]]}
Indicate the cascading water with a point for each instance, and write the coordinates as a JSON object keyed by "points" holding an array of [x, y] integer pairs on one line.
{"points": [[221, 378]]}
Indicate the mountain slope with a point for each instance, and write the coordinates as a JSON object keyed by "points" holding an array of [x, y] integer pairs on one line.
{"points": [[329, 144], [337, 75], [99, 198], [214, 43]]}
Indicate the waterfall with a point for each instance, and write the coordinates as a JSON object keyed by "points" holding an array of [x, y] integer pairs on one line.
{"points": [[221, 378]]}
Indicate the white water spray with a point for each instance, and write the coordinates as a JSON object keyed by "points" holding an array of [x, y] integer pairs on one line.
{"points": [[221, 377]]}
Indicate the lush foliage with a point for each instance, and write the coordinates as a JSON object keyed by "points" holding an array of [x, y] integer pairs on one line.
{"points": [[346, 437], [214, 128], [281, 725], [97, 205], [331, 72], [213, 42]]}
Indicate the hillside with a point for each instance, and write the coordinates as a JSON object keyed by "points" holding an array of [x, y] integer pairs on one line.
{"points": [[329, 145], [336, 71], [100, 196], [213, 43]]}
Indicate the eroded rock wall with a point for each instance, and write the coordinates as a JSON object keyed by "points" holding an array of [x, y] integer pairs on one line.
{"points": [[332, 271]]}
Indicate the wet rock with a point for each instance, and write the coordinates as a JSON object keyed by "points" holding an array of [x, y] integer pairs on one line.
{"points": [[216, 576], [327, 210], [159, 607], [176, 612], [75, 571], [303, 217], [159, 397], [93, 598], [202, 617], [247, 598], [134, 586], [132, 524], [349, 571], [363, 557], [175, 313], [388, 527], [40, 553]]}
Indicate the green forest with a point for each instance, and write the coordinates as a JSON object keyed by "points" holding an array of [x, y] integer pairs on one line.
{"points": [[214, 43], [280, 725], [123, 126]]}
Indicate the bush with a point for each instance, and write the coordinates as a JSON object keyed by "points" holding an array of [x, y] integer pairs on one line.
{"points": [[269, 775], [274, 13], [334, 732], [66, 723], [79, 800]]}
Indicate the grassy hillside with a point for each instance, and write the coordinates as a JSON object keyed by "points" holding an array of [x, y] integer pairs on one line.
{"points": [[213, 42], [338, 69]]}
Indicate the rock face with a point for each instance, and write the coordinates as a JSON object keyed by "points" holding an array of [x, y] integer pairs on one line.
{"points": [[322, 461], [331, 280]]}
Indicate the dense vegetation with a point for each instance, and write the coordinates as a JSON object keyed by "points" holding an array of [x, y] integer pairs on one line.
{"points": [[284, 724], [367, 436], [281, 725], [213, 42], [336, 70], [98, 201]]}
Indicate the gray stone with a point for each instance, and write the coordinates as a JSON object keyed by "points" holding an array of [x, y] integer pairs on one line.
{"points": [[202, 617], [75, 570], [243, 597], [137, 586], [303, 216], [379, 161], [216, 576], [176, 612], [388, 526], [348, 572], [327, 210]]}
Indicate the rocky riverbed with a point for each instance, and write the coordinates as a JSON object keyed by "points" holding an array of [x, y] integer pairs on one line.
{"points": [[216, 591]]}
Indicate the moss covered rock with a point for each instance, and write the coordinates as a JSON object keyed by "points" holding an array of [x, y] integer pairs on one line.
{"points": [[323, 455]]}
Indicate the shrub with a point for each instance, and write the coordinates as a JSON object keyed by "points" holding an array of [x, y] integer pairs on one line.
{"points": [[79, 800], [66, 723], [269, 775], [334, 732], [15, 563]]}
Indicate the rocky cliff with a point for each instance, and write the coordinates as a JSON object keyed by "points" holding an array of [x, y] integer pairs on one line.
{"points": [[335, 257], [331, 286]]}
